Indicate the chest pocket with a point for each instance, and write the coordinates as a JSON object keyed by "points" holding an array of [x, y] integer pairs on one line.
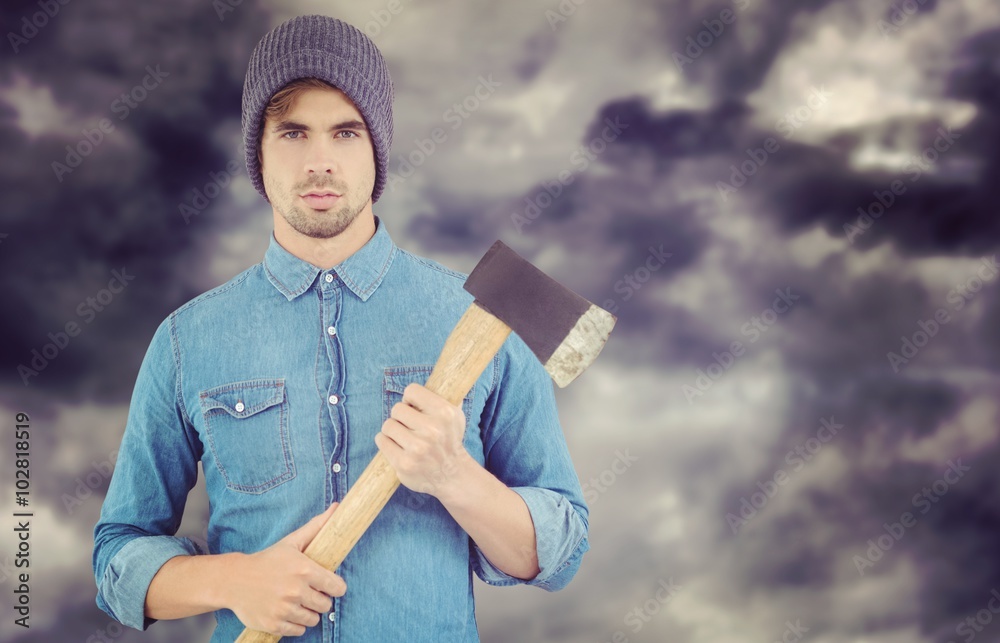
{"points": [[397, 377], [247, 427]]}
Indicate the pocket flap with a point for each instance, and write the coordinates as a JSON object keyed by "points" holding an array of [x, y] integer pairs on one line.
{"points": [[243, 399], [397, 377]]}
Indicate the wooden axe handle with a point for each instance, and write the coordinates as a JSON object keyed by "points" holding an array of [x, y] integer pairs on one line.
{"points": [[469, 348]]}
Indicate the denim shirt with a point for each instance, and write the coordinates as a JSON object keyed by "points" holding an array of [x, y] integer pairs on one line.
{"points": [[278, 381]]}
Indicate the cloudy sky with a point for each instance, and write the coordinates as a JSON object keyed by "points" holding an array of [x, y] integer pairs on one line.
{"points": [[793, 220]]}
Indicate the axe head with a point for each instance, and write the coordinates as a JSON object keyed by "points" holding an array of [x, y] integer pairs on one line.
{"points": [[564, 330]]}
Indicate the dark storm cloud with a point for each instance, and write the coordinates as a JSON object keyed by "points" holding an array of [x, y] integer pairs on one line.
{"points": [[834, 346], [835, 342], [845, 376], [594, 216], [118, 209], [950, 540], [948, 205], [949, 211], [804, 184], [731, 64], [935, 214], [961, 529], [679, 133]]}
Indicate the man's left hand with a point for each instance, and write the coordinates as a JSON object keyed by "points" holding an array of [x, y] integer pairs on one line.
{"points": [[422, 439]]}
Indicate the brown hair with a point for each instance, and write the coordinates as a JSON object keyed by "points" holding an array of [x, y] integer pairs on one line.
{"points": [[283, 99]]}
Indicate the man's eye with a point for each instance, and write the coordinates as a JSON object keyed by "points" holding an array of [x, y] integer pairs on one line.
{"points": [[347, 131], [291, 132]]}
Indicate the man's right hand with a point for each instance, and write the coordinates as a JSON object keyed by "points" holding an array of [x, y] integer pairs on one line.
{"points": [[282, 591]]}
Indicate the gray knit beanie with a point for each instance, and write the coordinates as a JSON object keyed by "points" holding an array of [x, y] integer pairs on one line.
{"points": [[331, 50]]}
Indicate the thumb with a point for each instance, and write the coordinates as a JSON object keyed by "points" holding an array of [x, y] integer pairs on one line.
{"points": [[301, 537]]}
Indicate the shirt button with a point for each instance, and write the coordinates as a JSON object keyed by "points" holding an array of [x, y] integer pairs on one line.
{"points": [[239, 407], [331, 330], [336, 467], [332, 616], [334, 399], [329, 278]]}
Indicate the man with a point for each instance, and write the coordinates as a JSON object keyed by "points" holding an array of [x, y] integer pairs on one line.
{"points": [[286, 380]]}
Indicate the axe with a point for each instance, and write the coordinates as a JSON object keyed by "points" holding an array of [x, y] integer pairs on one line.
{"points": [[562, 329]]}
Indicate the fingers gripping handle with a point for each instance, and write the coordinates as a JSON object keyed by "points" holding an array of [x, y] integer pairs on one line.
{"points": [[344, 528]]}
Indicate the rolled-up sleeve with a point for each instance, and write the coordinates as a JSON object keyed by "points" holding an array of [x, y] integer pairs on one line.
{"points": [[157, 466], [524, 448]]}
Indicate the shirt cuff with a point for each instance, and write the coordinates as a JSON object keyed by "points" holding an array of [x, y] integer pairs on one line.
{"points": [[129, 573], [560, 542]]}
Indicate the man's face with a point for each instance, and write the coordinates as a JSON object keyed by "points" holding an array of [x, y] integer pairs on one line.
{"points": [[321, 145]]}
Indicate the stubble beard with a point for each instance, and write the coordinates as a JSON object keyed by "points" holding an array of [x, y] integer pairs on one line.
{"points": [[318, 224], [321, 224]]}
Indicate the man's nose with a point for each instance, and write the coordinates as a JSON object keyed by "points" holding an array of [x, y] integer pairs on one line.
{"points": [[321, 157]]}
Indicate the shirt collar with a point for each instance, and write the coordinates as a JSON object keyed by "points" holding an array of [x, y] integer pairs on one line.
{"points": [[362, 272]]}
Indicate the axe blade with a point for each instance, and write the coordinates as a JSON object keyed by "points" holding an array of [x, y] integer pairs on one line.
{"points": [[564, 331]]}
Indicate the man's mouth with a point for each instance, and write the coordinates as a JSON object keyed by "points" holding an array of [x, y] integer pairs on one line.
{"points": [[320, 199]]}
